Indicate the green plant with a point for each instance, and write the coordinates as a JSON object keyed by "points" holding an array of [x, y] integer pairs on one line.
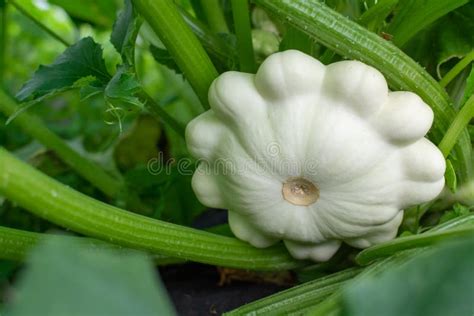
{"points": [[67, 134]]}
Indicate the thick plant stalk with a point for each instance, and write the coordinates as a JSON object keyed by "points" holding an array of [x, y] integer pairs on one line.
{"points": [[34, 127], [458, 227], [64, 206], [15, 245], [353, 41], [297, 298], [456, 70], [410, 242], [165, 19], [459, 124], [240, 11], [215, 46], [214, 16]]}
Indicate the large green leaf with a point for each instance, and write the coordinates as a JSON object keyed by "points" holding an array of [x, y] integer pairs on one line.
{"points": [[83, 60], [439, 282], [66, 277]]}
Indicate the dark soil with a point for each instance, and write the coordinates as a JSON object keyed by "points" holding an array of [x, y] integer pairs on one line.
{"points": [[194, 290]]}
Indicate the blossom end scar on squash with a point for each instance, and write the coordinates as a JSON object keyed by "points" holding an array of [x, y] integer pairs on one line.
{"points": [[299, 191]]}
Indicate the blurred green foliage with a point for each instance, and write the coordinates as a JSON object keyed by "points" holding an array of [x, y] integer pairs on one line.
{"points": [[438, 282], [77, 279]]}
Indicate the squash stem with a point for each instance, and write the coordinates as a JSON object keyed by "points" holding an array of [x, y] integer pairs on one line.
{"points": [[456, 70], [215, 17], [15, 244], [243, 32], [62, 205], [166, 21], [458, 125]]}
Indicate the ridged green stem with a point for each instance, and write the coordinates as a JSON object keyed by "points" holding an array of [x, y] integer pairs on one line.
{"points": [[188, 53], [296, 298], [15, 244], [459, 124], [462, 227], [243, 32], [215, 17], [154, 108], [219, 49], [456, 70], [66, 207]]}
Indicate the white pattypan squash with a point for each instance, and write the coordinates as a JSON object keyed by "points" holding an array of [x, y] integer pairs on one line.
{"points": [[313, 155]]}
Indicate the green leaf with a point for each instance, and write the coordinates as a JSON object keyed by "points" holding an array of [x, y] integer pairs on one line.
{"points": [[123, 87], [79, 61], [414, 15], [162, 56], [450, 175], [460, 209], [124, 33], [439, 282], [92, 89], [75, 280]]}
